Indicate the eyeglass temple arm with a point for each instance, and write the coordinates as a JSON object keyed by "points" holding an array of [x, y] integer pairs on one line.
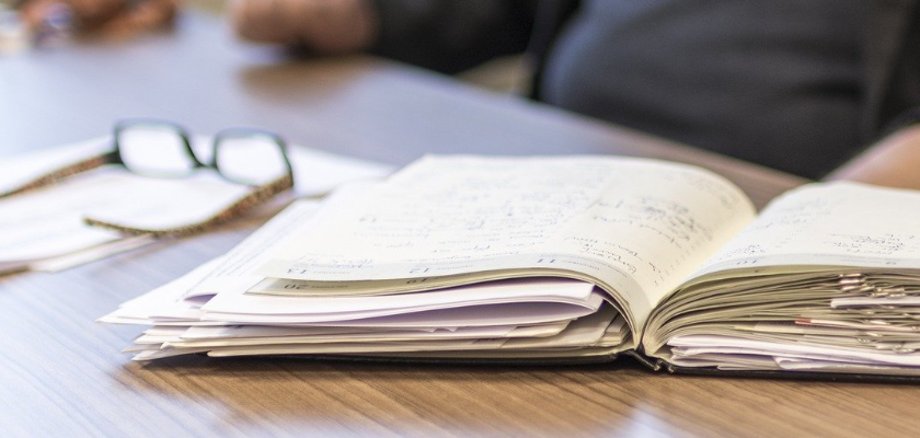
{"points": [[258, 196], [60, 173]]}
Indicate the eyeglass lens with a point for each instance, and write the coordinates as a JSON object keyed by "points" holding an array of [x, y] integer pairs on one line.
{"points": [[250, 157], [155, 150]]}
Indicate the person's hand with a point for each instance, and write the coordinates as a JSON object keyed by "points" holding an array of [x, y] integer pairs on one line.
{"points": [[144, 16], [893, 162], [90, 12], [103, 17], [326, 26]]}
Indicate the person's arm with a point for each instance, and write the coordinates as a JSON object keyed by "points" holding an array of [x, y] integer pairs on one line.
{"points": [[444, 35], [894, 161], [450, 35], [142, 16], [325, 26]]}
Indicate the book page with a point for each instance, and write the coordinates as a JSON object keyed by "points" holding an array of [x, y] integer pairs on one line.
{"points": [[831, 224], [636, 227]]}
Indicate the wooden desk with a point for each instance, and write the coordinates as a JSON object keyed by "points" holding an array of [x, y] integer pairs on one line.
{"points": [[63, 374]]}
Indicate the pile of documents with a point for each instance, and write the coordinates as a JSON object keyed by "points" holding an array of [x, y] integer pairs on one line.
{"points": [[563, 259], [225, 308], [45, 230]]}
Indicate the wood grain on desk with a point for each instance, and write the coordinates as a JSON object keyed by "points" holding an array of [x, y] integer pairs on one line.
{"points": [[63, 374]]}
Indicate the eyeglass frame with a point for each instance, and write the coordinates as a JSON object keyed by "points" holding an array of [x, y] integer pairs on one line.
{"points": [[260, 194], [122, 125]]}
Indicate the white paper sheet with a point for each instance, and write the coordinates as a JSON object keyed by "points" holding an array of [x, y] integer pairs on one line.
{"points": [[913, 301], [44, 230], [702, 344], [543, 290], [230, 337], [19, 169], [519, 313]]}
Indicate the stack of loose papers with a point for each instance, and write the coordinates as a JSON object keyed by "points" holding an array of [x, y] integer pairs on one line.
{"points": [[227, 308], [832, 321], [44, 229], [827, 279]]}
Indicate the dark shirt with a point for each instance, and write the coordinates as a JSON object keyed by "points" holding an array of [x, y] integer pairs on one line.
{"points": [[797, 85], [774, 82]]}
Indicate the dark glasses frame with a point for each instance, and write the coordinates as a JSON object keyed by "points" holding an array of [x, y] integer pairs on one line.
{"points": [[260, 193]]}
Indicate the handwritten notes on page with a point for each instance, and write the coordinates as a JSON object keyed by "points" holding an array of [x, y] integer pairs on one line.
{"points": [[837, 224], [825, 280], [636, 226]]}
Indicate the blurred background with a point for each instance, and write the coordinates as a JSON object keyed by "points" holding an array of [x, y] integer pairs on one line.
{"points": [[506, 74]]}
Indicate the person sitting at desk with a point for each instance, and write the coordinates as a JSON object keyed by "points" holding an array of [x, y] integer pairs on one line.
{"points": [[798, 86]]}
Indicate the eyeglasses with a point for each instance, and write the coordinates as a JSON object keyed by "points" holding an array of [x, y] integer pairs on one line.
{"points": [[163, 149]]}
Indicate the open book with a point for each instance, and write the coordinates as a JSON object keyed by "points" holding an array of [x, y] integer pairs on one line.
{"points": [[563, 259]]}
